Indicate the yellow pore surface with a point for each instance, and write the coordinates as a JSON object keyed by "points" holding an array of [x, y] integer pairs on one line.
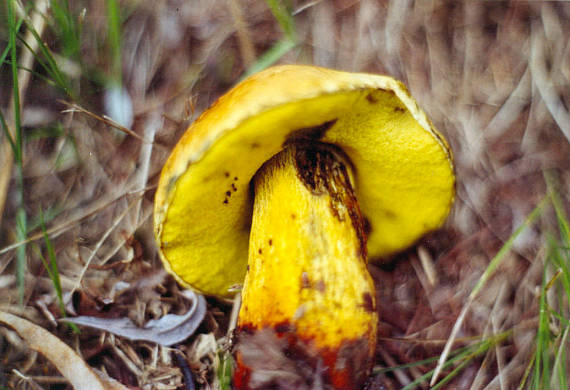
{"points": [[305, 266], [402, 167]]}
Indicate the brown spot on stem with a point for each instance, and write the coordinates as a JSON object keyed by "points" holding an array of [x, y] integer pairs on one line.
{"points": [[305, 281], [368, 303], [283, 327]]}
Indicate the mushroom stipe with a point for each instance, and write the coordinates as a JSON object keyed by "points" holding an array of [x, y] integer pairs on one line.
{"points": [[320, 169], [360, 171], [327, 307]]}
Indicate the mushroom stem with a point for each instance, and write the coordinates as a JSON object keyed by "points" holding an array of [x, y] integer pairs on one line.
{"points": [[308, 300]]}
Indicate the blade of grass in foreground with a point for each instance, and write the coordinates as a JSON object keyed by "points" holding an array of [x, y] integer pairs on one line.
{"points": [[47, 61], [540, 373], [6, 131], [8, 48], [478, 350], [459, 359], [283, 46], [453, 354], [17, 149], [542, 354], [561, 364], [225, 371], [283, 17], [67, 29], [114, 31], [559, 305], [495, 262], [560, 253], [53, 271], [270, 57]]}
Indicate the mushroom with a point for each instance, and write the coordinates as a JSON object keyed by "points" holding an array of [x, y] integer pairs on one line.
{"points": [[287, 185]]}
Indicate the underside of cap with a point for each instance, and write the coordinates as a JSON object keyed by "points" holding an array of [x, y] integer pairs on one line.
{"points": [[401, 165]]}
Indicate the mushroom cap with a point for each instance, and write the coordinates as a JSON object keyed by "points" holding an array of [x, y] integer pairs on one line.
{"points": [[402, 167]]}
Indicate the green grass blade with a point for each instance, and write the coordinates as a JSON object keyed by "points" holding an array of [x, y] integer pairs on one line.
{"points": [[8, 48], [449, 363], [4, 55], [225, 371], [542, 356], [545, 369], [453, 373], [21, 257], [494, 263], [270, 57], [15, 85], [478, 349], [45, 132], [460, 357], [560, 253], [454, 353], [508, 245], [114, 31], [526, 374], [7, 132], [560, 363], [47, 61], [283, 46], [21, 218], [561, 218], [66, 28], [53, 271], [554, 374], [408, 365], [284, 18]]}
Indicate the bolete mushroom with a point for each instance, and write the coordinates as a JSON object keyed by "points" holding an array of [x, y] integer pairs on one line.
{"points": [[291, 181]]}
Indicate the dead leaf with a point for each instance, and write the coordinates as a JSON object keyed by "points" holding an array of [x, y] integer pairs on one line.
{"points": [[69, 364], [168, 330]]}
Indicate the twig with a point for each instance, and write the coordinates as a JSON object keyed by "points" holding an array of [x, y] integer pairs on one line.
{"points": [[74, 107]]}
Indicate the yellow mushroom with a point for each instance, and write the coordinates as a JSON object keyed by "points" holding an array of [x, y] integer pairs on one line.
{"points": [[298, 172]]}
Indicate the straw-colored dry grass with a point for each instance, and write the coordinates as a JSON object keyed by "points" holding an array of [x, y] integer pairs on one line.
{"points": [[492, 76]]}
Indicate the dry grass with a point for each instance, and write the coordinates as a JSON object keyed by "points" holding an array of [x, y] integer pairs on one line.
{"points": [[492, 76]]}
